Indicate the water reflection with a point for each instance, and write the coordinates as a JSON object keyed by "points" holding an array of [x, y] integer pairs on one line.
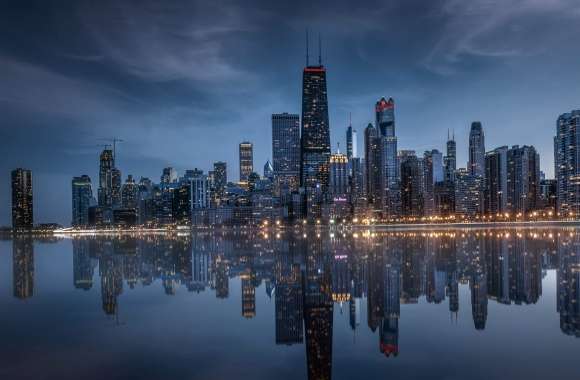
{"points": [[310, 274]]}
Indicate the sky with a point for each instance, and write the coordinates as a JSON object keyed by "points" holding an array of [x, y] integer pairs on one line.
{"points": [[183, 82]]}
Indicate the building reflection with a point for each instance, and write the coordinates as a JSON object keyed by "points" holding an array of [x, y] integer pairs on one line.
{"points": [[23, 267], [308, 272]]}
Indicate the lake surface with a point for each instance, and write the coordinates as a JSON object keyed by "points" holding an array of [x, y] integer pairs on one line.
{"points": [[312, 304]]}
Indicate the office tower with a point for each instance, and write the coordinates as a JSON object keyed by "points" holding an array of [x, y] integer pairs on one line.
{"points": [[432, 174], [246, 156], [130, 194], [523, 179], [548, 195], [372, 163], [495, 188], [286, 150], [106, 166], [476, 164], [116, 181], [23, 267], [168, 176], [268, 170], [444, 198], [411, 194], [200, 190], [450, 160], [357, 180], [338, 175], [220, 179], [468, 194], [351, 143], [182, 203], [567, 164], [82, 199], [388, 182], [22, 207], [315, 134]]}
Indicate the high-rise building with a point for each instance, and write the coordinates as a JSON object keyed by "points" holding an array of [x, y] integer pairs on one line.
{"points": [[246, 156], [220, 181], [351, 143], [106, 166], [22, 208], [476, 164], [116, 181], [286, 150], [450, 160], [468, 194], [372, 163], [200, 191], [130, 194], [338, 176], [523, 181], [495, 188], [567, 163], [389, 167], [432, 174], [82, 199], [168, 176], [315, 134], [411, 194], [268, 170], [548, 195]]}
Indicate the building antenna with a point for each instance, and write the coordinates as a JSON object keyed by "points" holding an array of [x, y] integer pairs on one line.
{"points": [[307, 57], [319, 50]]}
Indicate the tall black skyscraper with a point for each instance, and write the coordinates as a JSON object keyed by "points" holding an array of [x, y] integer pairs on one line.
{"points": [[315, 136], [220, 179], [22, 210], [351, 143]]}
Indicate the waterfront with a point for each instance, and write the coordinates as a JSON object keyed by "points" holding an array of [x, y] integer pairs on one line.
{"points": [[312, 303]]}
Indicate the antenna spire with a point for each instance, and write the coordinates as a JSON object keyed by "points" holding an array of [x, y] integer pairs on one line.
{"points": [[319, 50], [307, 57]]}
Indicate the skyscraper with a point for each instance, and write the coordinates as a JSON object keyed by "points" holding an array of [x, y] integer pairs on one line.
{"points": [[82, 199], [246, 156], [130, 194], [495, 188], [106, 166], [268, 170], [450, 160], [286, 149], [567, 163], [411, 194], [351, 143], [315, 134], [523, 180], [468, 194], [338, 175], [476, 164], [220, 179], [22, 209], [372, 163], [388, 164], [168, 176]]}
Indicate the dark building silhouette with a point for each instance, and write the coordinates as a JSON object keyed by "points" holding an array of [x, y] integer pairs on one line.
{"points": [[82, 199], [22, 207], [286, 151], [315, 136]]}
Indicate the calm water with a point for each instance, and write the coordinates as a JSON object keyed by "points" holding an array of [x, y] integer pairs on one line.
{"points": [[454, 304]]}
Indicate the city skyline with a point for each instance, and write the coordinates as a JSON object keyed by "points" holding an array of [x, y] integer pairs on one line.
{"points": [[169, 105]]}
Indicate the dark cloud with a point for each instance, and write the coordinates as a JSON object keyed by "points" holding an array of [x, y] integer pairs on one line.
{"points": [[182, 82]]}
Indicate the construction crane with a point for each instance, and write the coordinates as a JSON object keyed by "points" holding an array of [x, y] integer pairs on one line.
{"points": [[114, 142]]}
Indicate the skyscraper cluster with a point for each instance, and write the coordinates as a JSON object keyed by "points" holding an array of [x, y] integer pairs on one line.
{"points": [[307, 183]]}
